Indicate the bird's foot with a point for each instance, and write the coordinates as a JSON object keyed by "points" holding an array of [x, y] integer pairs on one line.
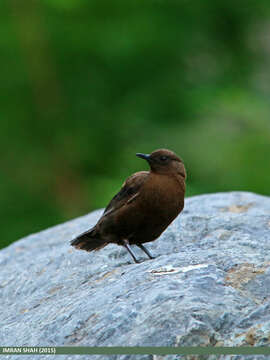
{"points": [[146, 251], [127, 246]]}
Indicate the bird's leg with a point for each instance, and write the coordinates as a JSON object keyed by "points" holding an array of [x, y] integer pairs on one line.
{"points": [[127, 246], [146, 251]]}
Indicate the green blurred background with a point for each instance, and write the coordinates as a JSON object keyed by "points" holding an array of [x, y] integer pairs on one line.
{"points": [[87, 84]]}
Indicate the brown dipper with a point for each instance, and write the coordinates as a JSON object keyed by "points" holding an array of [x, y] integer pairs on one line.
{"points": [[144, 207]]}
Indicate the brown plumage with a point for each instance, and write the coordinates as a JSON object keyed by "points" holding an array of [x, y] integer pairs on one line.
{"points": [[144, 207]]}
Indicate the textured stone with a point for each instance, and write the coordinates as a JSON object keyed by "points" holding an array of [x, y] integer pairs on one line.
{"points": [[208, 285]]}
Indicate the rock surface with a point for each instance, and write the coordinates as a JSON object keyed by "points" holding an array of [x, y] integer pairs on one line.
{"points": [[208, 285]]}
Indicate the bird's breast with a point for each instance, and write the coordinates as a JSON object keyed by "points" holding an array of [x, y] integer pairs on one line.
{"points": [[163, 195]]}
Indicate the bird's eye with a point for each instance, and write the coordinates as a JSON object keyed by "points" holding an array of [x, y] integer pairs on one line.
{"points": [[163, 158]]}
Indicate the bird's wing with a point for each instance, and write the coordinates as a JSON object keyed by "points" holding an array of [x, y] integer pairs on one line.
{"points": [[129, 191]]}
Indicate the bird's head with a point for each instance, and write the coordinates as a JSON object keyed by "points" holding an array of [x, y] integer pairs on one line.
{"points": [[164, 161]]}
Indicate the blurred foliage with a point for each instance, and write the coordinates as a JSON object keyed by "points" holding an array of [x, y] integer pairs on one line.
{"points": [[87, 84]]}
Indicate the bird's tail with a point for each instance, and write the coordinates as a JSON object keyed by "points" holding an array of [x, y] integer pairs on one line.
{"points": [[88, 241]]}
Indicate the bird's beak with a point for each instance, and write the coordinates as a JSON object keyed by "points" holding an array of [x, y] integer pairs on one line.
{"points": [[143, 156]]}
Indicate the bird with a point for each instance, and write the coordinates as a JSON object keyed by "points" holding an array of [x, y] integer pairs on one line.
{"points": [[146, 204]]}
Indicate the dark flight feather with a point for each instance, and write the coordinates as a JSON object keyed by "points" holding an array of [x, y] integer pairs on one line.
{"points": [[128, 192], [90, 239]]}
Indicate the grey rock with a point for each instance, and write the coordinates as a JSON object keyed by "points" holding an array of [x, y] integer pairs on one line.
{"points": [[208, 285]]}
